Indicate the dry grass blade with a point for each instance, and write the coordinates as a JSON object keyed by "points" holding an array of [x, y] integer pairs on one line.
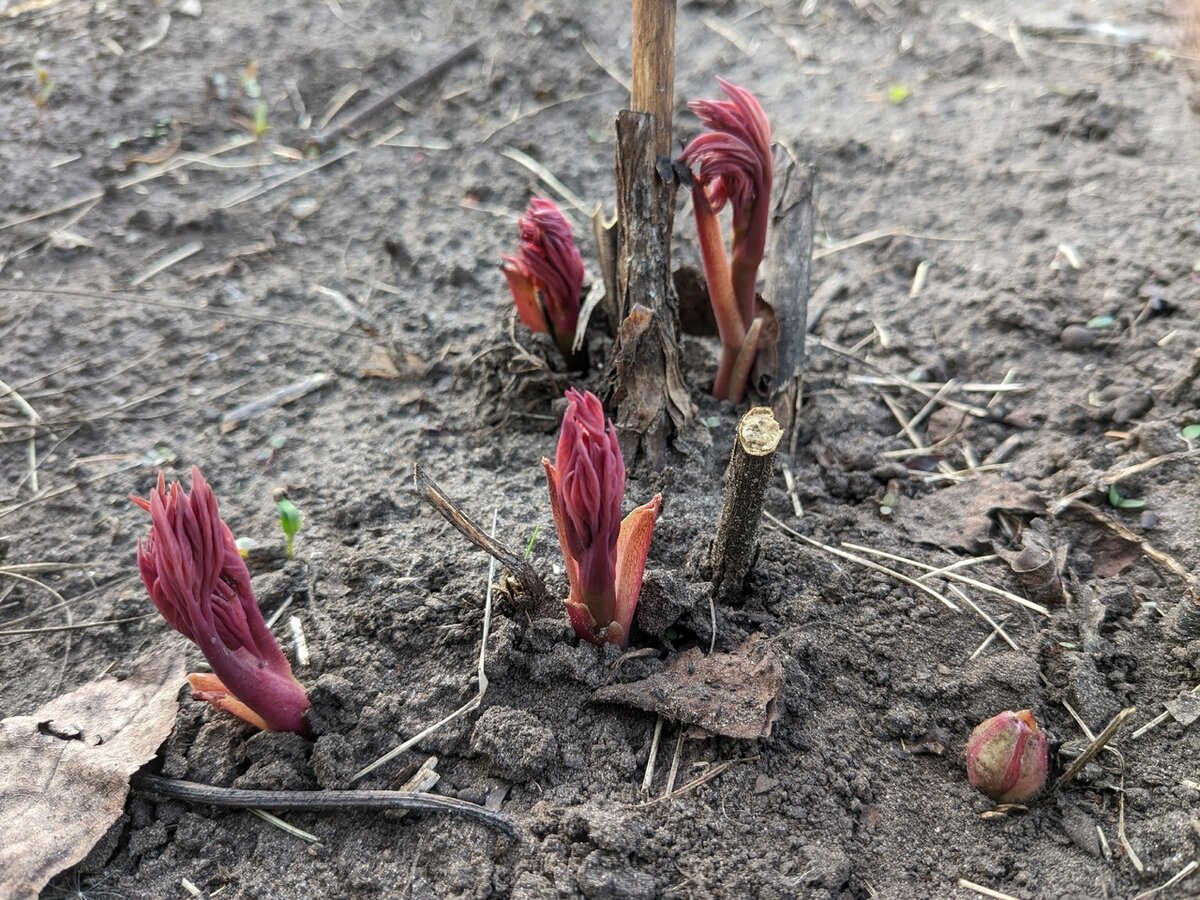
{"points": [[924, 588], [467, 707], [708, 775], [285, 827], [34, 419], [1179, 876], [531, 582], [954, 576], [1095, 747], [550, 179]]}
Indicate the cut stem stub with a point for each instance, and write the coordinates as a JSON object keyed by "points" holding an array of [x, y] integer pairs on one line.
{"points": [[749, 475]]}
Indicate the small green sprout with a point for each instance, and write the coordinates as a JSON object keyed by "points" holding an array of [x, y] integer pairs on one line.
{"points": [[289, 522], [1098, 322], [1190, 432], [43, 88], [260, 126], [529, 547], [1117, 501], [898, 93]]}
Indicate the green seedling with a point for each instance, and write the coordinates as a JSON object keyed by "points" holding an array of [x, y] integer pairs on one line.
{"points": [[289, 522], [898, 93], [260, 126], [267, 454], [1190, 432], [42, 89], [1117, 501], [529, 547], [1099, 322]]}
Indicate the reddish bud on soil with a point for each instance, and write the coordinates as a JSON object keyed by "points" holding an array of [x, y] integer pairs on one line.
{"points": [[732, 164], [545, 276], [1007, 757], [196, 577], [605, 556]]}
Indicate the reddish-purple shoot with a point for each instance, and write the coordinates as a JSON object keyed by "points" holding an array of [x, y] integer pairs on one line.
{"points": [[545, 275], [196, 577], [732, 164], [605, 556]]}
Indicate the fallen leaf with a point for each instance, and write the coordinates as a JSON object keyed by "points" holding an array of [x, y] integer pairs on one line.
{"points": [[1185, 709], [1110, 554], [64, 771], [1038, 567], [959, 517], [732, 694]]}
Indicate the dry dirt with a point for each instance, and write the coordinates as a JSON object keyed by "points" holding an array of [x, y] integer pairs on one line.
{"points": [[1039, 168]]}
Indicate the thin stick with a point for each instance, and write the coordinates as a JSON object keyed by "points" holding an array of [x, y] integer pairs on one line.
{"points": [[648, 778], [471, 704], [318, 801], [34, 419], [1095, 747], [954, 576], [924, 588]]}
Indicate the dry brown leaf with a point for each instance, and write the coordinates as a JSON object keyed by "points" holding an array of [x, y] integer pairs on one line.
{"points": [[64, 771], [960, 516], [732, 694], [1038, 567]]}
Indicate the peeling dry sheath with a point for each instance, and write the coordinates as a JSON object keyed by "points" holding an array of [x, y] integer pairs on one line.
{"points": [[750, 469], [319, 801]]}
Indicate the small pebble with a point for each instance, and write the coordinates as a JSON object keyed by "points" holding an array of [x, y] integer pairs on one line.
{"points": [[1077, 337]]}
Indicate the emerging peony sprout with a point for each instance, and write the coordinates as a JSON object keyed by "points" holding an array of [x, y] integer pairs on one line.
{"points": [[605, 557], [1007, 757], [196, 577], [732, 164], [545, 275]]}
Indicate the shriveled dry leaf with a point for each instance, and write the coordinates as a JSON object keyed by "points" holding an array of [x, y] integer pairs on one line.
{"points": [[732, 694], [959, 517], [64, 771], [1185, 709], [1038, 567]]}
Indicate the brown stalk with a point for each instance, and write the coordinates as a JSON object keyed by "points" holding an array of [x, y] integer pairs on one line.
{"points": [[751, 467]]}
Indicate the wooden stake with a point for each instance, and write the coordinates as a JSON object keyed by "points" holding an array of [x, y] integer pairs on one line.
{"points": [[746, 481], [654, 67], [649, 393]]}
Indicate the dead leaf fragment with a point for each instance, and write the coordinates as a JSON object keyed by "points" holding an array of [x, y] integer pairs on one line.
{"points": [[1038, 567], [1185, 709], [64, 771], [732, 694], [959, 517]]}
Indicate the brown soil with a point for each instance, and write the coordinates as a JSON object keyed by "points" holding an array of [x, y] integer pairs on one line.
{"points": [[1045, 178]]}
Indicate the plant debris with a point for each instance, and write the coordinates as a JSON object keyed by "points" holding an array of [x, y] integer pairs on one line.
{"points": [[731, 694], [64, 771]]}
